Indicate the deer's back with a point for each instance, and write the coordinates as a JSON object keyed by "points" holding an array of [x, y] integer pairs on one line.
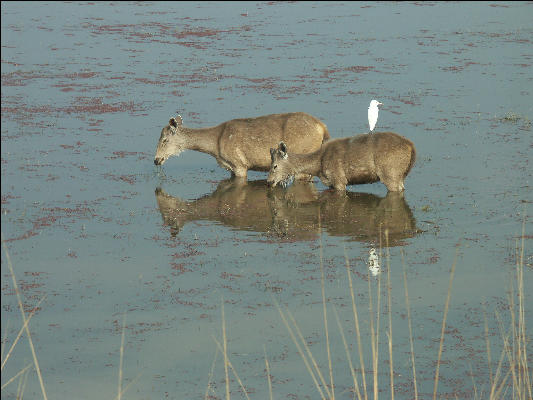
{"points": [[362, 158], [249, 140]]}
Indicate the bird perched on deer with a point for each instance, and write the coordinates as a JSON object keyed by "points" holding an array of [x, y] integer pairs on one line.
{"points": [[373, 112]]}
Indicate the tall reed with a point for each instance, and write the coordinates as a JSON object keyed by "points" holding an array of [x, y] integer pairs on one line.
{"points": [[24, 320]]}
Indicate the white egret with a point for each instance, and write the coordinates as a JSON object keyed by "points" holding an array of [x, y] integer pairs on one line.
{"points": [[373, 111]]}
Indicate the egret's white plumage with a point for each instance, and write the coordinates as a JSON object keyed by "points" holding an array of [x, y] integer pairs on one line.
{"points": [[373, 111], [373, 262]]}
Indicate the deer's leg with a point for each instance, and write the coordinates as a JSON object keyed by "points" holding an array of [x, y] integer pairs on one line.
{"points": [[239, 172], [393, 183], [339, 183]]}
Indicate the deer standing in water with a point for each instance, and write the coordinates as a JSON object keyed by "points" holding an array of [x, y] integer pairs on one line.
{"points": [[240, 145], [382, 156]]}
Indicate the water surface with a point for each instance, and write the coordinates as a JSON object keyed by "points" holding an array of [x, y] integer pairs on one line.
{"points": [[91, 223]]}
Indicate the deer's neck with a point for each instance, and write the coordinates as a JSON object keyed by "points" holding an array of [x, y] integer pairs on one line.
{"points": [[204, 140], [307, 163]]}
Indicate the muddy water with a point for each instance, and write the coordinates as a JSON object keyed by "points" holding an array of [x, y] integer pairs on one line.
{"points": [[93, 225]]}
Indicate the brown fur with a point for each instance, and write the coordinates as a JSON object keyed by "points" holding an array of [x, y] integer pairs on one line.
{"points": [[242, 144], [367, 158]]}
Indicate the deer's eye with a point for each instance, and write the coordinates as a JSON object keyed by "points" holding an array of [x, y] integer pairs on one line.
{"points": [[275, 166]]}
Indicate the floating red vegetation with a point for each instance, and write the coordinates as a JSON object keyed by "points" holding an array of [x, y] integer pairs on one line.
{"points": [[228, 276], [97, 106], [24, 286], [84, 105], [354, 68], [32, 273], [179, 269], [360, 68], [188, 253], [407, 101], [163, 33], [202, 32], [21, 78], [80, 75], [123, 154], [7, 197], [149, 82], [82, 211], [54, 215], [26, 235]]}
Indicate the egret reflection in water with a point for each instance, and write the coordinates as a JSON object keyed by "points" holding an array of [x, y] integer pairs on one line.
{"points": [[373, 262], [295, 213]]}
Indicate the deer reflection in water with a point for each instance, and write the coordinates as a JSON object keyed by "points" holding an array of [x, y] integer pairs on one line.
{"points": [[295, 213], [249, 206]]}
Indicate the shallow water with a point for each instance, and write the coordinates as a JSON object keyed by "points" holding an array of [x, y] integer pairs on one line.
{"points": [[93, 225]]}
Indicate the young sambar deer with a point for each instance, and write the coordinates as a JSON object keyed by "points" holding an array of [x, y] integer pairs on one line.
{"points": [[243, 144], [382, 156]]}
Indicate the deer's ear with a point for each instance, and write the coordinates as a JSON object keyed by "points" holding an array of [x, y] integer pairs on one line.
{"points": [[175, 122], [282, 149]]}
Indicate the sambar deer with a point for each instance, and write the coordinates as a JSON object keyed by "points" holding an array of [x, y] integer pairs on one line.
{"points": [[243, 144], [382, 156]]}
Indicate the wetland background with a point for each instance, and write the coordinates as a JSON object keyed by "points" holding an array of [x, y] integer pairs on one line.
{"points": [[93, 225]]}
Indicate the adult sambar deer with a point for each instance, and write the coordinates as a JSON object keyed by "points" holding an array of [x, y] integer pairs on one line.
{"points": [[242, 144], [382, 156]]}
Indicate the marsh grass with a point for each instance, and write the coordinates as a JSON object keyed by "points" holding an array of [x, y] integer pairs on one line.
{"points": [[223, 348], [209, 389], [269, 378], [121, 363], [510, 378], [25, 327], [122, 390], [446, 307], [324, 308], [515, 340], [408, 308]]}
